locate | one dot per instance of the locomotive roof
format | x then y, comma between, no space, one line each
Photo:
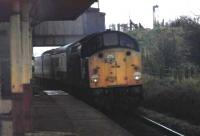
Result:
94,35
87,48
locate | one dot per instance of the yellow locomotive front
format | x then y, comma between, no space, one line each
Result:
115,67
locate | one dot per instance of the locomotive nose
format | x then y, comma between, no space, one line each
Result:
114,67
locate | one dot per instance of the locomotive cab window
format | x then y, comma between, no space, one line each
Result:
127,41
110,39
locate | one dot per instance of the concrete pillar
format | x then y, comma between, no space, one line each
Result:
16,53
6,128
20,46
21,69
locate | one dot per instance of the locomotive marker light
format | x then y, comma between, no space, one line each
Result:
137,76
110,58
95,78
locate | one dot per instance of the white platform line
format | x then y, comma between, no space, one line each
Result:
55,92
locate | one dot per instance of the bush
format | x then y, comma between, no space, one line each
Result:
177,99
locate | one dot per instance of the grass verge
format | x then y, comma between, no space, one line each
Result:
177,99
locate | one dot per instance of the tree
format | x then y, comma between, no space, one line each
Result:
163,48
191,29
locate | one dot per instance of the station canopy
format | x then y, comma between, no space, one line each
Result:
48,10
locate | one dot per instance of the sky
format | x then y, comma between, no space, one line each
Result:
37,51
119,11
140,11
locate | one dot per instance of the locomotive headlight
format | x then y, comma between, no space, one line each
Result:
94,78
137,76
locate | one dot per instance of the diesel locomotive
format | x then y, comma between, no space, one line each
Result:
101,64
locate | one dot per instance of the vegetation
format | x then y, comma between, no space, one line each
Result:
171,61
176,99
173,49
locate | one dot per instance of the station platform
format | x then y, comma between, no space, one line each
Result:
60,114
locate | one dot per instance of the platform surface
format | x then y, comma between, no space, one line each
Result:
60,114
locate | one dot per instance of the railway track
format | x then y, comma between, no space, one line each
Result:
140,125
150,125
165,130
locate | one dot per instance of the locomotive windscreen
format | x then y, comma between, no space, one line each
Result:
119,39
93,43
127,41
111,39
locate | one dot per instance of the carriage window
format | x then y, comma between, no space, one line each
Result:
110,39
56,62
74,49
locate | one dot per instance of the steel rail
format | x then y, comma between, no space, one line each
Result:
164,129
